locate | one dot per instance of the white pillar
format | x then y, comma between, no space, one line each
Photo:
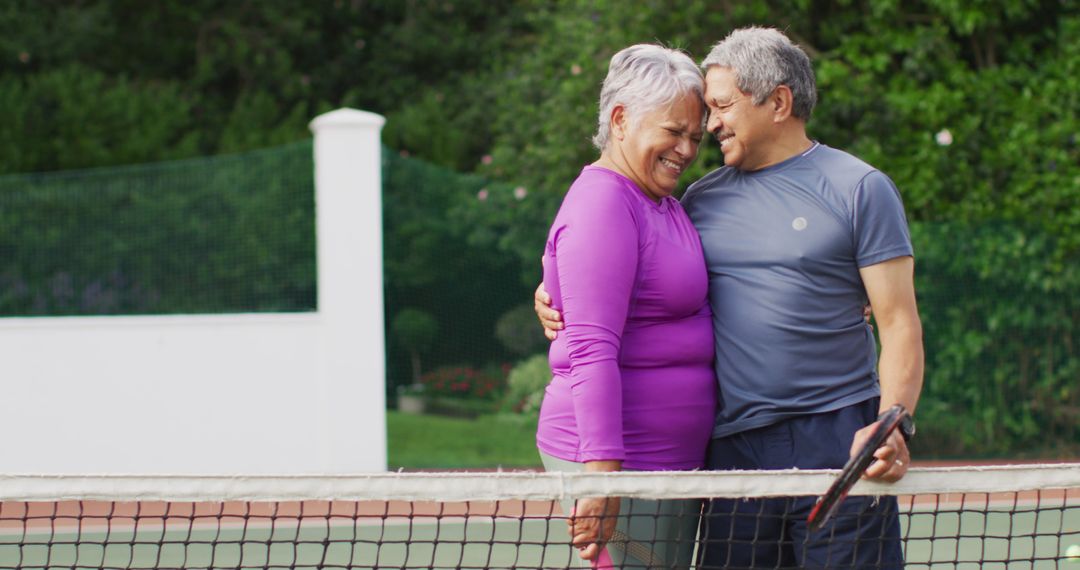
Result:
348,207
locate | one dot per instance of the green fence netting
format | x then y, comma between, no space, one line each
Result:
999,301
208,235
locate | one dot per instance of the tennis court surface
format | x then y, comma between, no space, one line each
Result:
970,517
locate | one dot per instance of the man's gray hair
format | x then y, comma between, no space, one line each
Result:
643,78
764,59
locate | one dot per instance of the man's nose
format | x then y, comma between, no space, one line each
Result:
714,124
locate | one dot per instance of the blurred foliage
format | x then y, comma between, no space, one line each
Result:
969,106
154,80
430,264
518,332
465,382
526,384
416,330
1002,334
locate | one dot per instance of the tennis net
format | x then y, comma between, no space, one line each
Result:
971,517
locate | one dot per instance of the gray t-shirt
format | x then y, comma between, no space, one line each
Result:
784,246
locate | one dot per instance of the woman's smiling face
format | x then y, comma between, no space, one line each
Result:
658,146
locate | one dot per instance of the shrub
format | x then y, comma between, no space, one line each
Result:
526,383
415,330
463,382
519,332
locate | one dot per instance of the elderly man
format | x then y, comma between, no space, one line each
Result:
798,237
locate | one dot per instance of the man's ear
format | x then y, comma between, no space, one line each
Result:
782,101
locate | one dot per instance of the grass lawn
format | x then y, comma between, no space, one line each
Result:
438,442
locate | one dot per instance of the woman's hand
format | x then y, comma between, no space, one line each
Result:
591,525
593,521
550,319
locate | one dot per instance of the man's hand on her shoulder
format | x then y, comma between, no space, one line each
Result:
550,319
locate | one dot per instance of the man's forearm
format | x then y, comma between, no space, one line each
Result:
900,367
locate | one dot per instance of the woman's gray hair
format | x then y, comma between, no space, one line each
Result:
763,59
643,78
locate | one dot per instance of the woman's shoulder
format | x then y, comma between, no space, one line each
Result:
600,188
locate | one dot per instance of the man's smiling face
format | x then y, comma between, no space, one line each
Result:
742,129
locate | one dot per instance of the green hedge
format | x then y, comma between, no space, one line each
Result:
1001,327
221,234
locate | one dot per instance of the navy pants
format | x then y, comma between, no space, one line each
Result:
772,533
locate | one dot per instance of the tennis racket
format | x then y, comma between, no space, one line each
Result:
828,503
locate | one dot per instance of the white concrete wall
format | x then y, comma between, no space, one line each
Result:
221,394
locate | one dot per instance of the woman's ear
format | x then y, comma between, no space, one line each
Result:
619,122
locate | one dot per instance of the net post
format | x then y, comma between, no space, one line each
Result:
348,214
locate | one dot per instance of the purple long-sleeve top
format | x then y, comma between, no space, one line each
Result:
632,370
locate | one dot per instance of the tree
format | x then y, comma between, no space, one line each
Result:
416,330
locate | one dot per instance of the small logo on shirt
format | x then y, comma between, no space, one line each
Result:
799,224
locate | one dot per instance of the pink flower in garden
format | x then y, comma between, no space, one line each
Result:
486,159
520,192
482,194
944,137
575,69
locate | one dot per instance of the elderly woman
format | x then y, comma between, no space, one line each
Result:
633,386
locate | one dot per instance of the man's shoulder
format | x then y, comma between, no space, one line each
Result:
842,168
716,178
